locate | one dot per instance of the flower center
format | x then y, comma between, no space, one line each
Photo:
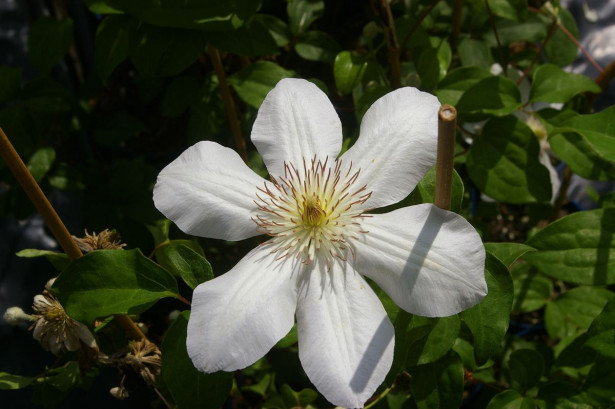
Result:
312,213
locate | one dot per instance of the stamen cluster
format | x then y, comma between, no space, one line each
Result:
313,211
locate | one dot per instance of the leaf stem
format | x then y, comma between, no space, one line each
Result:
229,104
379,397
50,216
606,76
447,118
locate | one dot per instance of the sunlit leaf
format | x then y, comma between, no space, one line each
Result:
577,248
106,282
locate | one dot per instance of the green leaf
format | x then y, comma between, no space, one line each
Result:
577,248
474,52
526,367
302,13
190,14
162,52
438,384
431,338
600,379
552,84
40,162
9,381
117,127
601,333
189,387
106,282
504,163
587,144
278,29
348,70
560,49
574,310
507,253
317,46
48,42
488,321
498,96
254,82
251,40
426,189
10,83
564,395
182,93
45,95
59,260
532,289
458,81
532,30
510,399
515,10
182,261
100,7
113,38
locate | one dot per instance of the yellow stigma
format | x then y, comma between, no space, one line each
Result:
312,214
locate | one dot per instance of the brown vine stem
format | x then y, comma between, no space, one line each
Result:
48,213
503,62
392,43
447,118
417,23
456,23
229,104
606,76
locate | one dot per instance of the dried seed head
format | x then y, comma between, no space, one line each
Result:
145,358
105,240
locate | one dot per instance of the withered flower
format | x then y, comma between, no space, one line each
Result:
55,330
105,240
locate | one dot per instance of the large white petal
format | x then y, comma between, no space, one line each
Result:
208,191
429,261
346,339
396,146
295,122
238,317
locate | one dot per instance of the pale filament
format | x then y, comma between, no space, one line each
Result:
314,212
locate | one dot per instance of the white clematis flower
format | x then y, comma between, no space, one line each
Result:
430,261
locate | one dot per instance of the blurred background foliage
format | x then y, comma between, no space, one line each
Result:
113,90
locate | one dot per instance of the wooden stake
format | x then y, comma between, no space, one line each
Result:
447,118
51,218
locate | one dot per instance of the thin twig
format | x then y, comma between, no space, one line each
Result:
51,218
571,37
447,118
229,104
417,23
392,42
503,62
550,33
